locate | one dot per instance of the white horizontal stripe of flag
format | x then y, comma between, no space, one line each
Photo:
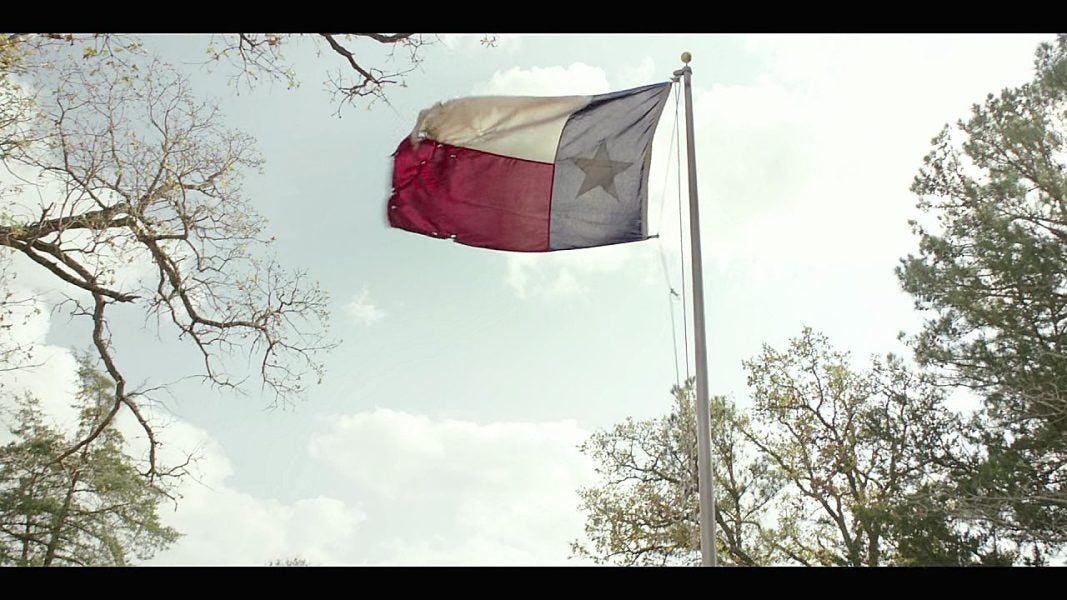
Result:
526,127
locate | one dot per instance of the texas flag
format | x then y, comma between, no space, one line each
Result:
527,173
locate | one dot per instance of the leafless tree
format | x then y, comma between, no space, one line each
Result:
139,203
253,56
364,71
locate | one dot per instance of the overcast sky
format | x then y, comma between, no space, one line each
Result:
446,429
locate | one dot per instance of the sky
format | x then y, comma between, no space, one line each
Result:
446,430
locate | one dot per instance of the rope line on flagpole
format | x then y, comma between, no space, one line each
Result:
662,255
674,326
667,171
681,234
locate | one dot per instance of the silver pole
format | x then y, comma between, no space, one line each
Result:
707,483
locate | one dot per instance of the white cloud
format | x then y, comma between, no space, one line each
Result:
222,525
408,489
637,74
362,308
575,79
458,492
51,371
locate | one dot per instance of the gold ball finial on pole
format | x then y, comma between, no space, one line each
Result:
686,57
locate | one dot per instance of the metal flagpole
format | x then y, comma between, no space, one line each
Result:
707,484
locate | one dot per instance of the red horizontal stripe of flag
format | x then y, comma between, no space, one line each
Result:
477,198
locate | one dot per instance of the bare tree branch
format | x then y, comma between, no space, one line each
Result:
136,172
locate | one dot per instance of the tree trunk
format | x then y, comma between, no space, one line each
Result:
61,518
